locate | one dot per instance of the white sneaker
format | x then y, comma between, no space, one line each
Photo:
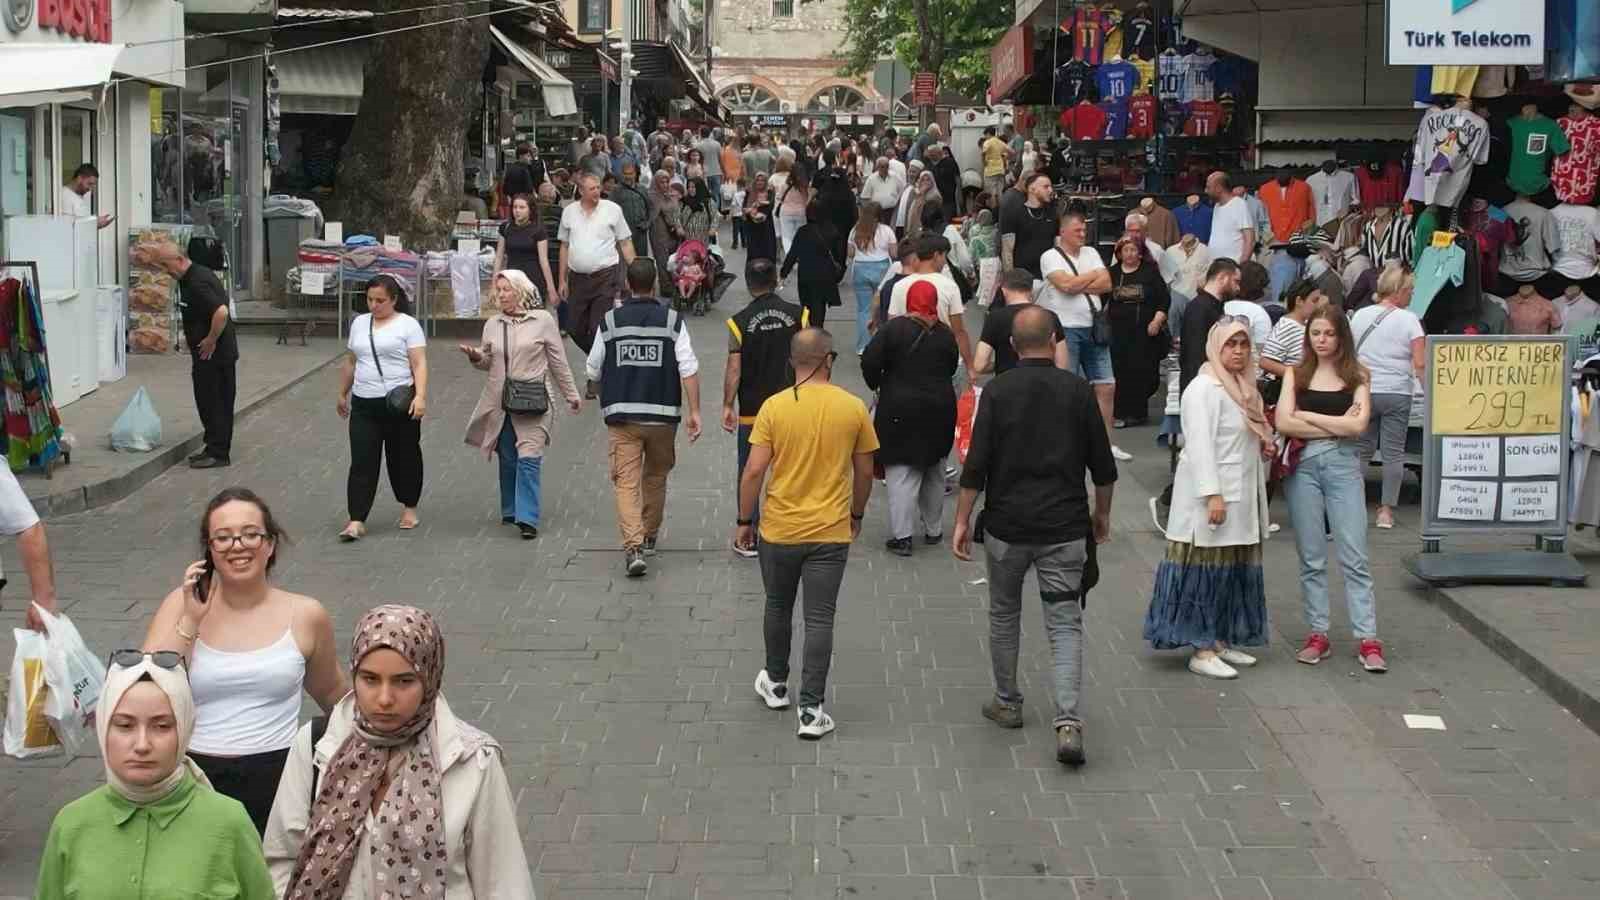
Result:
1211,667
1120,454
1237,658
1274,528
775,693
814,723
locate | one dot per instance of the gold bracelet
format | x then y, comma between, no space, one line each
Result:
178,627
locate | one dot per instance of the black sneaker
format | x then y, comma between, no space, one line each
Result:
898,546
1069,744
1006,715
933,540
634,560
507,520
528,531
210,462
649,546
197,455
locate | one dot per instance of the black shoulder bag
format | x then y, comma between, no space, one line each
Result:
520,398
398,399
1099,327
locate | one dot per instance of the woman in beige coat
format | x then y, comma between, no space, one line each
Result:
393,756
526,335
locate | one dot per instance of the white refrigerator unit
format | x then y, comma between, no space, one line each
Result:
67,253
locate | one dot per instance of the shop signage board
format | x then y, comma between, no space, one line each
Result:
1465,32
1495,455
1010,61
924,89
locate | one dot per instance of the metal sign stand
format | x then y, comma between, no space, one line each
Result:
1496,459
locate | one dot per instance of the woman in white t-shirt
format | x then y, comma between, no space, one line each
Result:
871,248
1389,342
387,353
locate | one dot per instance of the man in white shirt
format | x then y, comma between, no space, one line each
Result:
19,520
1233,227
75,200
1075,278
882,188
931,258
896,167
595,242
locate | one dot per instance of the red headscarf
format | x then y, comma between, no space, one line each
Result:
922,299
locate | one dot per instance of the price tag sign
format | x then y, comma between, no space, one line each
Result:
392,242
1443,238
333,232
312,284
469,245
1498,387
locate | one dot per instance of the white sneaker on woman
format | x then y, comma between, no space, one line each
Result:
1237,657
1119,454
1211,667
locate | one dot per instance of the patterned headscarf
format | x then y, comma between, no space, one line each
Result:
407,839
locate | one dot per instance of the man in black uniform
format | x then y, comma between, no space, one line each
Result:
213,347
758,358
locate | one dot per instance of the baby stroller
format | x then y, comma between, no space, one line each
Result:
694,273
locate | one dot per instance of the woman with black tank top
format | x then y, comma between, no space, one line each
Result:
1325,403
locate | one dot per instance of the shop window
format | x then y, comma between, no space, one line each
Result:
21,131
166,157
783,8
594,15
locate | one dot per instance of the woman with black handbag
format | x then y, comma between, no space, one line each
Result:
383,391
521,350
820,270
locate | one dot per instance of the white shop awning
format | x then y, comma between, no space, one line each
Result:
321,80
48,69
558,96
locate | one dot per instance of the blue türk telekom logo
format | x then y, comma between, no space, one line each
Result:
1458,5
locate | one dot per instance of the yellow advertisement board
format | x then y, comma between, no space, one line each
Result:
1498,387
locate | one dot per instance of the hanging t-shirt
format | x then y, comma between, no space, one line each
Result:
1205,119
1228,74
1526,256
1436,267
1111,26
1147,74
1532,142
1333,194
1141,116
1494,81
1169,80
1087,29
1380,188
1449,143
1575,173
1456,80
1116,127
1084,122
1139,34
1117,80
1580,231
1072,82
1197,80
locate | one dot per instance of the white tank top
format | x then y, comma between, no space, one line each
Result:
246,702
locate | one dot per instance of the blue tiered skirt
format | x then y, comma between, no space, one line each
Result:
1206,595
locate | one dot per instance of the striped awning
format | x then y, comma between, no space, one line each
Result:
321,80
558,95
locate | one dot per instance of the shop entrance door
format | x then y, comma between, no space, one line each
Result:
77,146
13,165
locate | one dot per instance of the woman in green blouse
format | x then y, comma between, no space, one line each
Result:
155,830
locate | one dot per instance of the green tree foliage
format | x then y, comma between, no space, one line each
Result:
950,37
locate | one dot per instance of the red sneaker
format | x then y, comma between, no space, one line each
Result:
1316,649
1371,655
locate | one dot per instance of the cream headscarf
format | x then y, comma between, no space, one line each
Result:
519,281
1241,387
175,684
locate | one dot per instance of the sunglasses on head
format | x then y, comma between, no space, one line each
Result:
163,659
1225,320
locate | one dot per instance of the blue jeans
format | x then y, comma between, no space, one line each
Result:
1090,360
1283,270
1330,483
865,279
519,479
714,182
744,457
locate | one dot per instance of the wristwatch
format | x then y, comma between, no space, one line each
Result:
858,518
743,522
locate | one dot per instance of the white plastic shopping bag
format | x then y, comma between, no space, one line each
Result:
138,428
28,732
75,677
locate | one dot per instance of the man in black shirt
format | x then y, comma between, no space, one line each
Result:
1038,431
525,175
946,175
1029,229
1222,285
994,351
213,347
758,358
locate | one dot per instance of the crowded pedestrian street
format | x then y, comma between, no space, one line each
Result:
642,765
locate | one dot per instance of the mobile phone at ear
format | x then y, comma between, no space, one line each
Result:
202,585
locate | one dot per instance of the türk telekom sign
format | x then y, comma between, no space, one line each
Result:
1465,32
1010,61
89,20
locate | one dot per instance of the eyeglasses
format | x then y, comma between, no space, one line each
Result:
250,540
164,659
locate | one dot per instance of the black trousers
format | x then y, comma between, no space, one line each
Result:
216,383
377,434
252,780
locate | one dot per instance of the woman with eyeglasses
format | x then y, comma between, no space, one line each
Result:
253,650
1209,595
398,797
386,371
155,830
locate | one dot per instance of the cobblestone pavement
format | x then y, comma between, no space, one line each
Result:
644,767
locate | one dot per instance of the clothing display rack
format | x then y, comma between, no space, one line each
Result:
32,424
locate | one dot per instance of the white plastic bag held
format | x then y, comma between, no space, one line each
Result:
28,732
138,428
75,677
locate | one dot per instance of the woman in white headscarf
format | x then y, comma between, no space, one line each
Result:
155,829
523,342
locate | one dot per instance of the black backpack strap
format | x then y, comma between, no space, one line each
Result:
319,727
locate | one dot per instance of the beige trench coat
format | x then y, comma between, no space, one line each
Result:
486,860
537,353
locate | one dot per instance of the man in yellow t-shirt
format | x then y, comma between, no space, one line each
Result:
818,441
995,153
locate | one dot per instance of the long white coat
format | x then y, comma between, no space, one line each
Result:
486,859
1220,456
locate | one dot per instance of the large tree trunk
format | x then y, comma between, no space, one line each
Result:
401,171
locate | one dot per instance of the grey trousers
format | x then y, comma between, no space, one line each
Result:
915,494
1386,431
1059,568
784,569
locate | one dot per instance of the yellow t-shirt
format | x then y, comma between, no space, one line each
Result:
994,157
1456,80
811,480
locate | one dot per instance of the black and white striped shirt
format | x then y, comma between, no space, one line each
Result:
1394,245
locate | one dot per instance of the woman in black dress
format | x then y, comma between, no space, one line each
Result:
525,245
759,225
820,269
1137,311
910,362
